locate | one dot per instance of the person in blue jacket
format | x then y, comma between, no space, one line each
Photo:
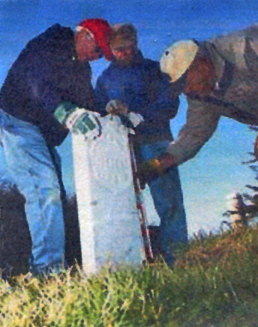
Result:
132,83
52,68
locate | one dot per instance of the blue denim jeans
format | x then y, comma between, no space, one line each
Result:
36,170
168,200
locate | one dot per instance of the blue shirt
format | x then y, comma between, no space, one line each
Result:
145,90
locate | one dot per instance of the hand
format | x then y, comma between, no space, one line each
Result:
149,171
131,121
154,168
78,120
135,118
116,107
85,122
64,110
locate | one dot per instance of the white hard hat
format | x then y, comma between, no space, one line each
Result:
178,57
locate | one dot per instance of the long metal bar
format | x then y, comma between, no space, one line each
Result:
139,203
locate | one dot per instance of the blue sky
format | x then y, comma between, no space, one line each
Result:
217,170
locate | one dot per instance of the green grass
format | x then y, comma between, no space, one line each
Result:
214,284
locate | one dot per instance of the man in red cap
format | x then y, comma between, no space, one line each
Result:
53,68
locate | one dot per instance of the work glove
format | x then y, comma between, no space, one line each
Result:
116,107
154,168
78,120
131,120
135,118
84,122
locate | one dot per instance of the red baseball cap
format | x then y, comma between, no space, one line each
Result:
102,32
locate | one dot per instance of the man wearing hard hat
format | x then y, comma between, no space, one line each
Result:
219,78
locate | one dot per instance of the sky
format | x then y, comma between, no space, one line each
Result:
217,170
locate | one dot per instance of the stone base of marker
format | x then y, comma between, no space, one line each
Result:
109,223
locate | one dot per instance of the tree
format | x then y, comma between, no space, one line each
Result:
15,240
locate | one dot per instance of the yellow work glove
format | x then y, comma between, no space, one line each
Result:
154,168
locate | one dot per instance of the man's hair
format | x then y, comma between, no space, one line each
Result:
126,32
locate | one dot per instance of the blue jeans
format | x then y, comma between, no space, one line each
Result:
36,170
168,200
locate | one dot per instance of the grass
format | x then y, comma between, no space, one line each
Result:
214,284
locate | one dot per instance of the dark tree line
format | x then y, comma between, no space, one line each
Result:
15,241
253,196
245,205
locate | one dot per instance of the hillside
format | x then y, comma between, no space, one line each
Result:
214,284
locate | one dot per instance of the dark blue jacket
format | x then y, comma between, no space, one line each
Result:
145,90
46,73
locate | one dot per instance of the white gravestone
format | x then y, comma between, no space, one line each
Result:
109,221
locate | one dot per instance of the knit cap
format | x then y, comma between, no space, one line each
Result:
101,32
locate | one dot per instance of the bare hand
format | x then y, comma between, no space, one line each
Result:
116,107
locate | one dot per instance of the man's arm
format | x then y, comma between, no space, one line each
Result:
72,85
202,121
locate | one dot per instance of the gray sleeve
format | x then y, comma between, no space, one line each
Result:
202,121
